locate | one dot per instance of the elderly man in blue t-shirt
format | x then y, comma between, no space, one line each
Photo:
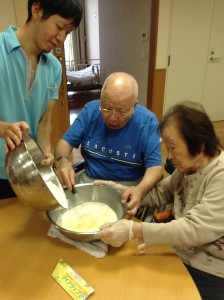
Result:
119,140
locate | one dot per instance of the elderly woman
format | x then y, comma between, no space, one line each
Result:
196,192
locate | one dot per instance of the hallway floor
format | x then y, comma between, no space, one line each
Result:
76,101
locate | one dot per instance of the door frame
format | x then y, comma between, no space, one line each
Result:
152,50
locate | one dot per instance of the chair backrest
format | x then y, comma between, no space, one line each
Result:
79,166
168,166
163,216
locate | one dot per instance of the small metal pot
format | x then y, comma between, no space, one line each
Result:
35,184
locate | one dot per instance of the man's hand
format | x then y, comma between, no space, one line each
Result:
65,173
13,134
132,196
49,159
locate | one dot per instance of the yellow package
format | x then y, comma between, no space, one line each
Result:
71,282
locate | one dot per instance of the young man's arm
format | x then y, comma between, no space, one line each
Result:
44,133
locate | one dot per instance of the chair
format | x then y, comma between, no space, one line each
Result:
79,166
165,215
168,166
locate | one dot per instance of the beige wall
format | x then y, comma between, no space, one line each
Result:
21,11
92,28
121,48
7,14
12,12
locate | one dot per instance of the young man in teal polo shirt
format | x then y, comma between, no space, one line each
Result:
31,76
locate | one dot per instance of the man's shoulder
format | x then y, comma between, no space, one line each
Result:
92,104
51,59
9,31
144,112
90,109
1,38
8,37
142,108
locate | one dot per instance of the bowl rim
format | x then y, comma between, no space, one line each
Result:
124,205
72,231
44,157
27,142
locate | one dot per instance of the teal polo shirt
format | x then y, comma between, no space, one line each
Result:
18,102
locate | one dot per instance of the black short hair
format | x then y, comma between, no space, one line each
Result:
67,9
195,127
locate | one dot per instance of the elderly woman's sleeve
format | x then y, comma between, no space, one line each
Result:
202,224
161,194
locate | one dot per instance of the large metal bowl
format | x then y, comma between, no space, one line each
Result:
86,193
35,184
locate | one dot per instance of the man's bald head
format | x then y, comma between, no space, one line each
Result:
120,86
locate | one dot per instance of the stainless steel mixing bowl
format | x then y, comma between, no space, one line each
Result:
86,193
34,184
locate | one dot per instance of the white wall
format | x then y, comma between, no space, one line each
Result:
121,48
92,29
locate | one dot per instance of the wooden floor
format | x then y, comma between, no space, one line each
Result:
77,100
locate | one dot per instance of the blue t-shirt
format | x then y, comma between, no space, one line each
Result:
18,102
116,155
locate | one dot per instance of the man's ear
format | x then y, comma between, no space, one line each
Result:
36,11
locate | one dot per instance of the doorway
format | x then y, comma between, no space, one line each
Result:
82,55
196,69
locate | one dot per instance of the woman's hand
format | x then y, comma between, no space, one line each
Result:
116,234
116,186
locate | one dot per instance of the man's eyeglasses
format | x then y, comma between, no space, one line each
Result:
120,114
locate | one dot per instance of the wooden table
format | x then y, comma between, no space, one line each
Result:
28,257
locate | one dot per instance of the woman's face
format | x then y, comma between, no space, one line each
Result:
178,153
